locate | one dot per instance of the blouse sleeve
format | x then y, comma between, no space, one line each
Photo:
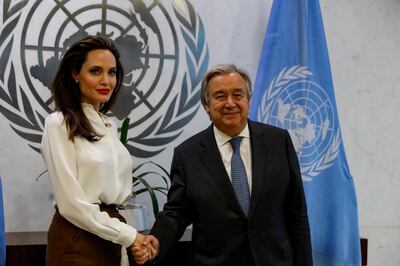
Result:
60,157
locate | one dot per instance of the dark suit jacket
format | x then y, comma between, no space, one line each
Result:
276,231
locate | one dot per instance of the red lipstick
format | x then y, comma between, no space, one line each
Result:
103,91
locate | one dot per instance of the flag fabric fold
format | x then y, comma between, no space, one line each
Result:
294,90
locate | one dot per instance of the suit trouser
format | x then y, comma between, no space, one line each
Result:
72,246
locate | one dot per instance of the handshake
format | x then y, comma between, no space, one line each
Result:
144,248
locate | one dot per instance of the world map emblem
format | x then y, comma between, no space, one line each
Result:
301,106
163,51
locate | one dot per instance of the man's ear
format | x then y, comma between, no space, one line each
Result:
207,109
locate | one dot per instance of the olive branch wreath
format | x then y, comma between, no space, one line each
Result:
19,111
277,84
161,132
183,107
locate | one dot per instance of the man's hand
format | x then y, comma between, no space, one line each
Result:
153,242
144,248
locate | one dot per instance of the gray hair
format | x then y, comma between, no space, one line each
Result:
222,69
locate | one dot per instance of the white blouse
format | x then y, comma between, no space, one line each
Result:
84,174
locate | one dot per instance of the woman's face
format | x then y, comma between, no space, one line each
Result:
97,77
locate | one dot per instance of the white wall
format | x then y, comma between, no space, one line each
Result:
364,38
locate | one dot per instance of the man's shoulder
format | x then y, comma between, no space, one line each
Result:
265,128
196,139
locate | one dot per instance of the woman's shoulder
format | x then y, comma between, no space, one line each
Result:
55,119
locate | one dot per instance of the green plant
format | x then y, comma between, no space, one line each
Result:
140,174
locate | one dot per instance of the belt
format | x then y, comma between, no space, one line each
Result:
103,207
110,207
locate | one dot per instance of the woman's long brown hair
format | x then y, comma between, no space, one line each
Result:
66,92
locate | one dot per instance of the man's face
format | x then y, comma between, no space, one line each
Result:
228,103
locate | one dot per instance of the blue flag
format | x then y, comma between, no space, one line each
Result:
2,231
294,90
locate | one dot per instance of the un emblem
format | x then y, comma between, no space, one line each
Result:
163,51
305,110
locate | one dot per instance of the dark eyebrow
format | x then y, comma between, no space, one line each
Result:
99,67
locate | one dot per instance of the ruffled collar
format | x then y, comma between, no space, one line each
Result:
98,120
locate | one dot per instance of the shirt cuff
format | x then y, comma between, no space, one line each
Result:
127,235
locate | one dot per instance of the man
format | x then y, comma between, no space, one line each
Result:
264,221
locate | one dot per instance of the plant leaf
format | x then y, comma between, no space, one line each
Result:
124,131
153,197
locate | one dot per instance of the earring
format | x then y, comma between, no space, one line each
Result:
76,81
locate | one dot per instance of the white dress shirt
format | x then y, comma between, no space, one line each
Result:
225,149
84,174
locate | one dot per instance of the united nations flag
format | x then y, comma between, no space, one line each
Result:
294,90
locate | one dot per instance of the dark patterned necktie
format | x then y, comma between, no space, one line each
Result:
239,177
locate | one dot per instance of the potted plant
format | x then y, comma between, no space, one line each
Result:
140,184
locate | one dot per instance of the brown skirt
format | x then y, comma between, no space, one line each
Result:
72,246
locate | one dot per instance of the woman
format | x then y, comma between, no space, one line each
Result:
89,168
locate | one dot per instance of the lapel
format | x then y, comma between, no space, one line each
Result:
259,155
211,158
